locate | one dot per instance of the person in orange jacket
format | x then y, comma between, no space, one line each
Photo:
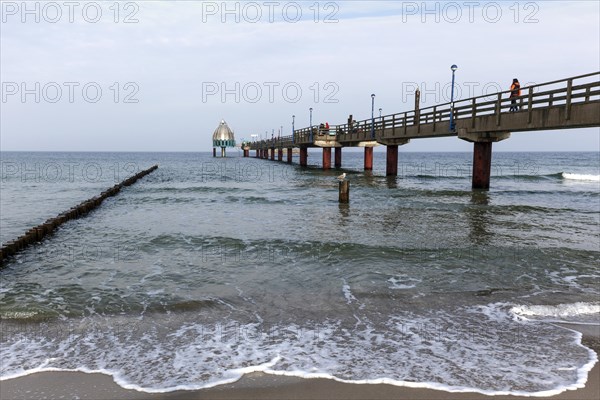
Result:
515,92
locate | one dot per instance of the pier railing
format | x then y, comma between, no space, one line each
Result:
564,93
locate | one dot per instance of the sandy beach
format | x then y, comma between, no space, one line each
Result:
55,385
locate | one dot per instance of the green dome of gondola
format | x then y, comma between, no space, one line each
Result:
223,136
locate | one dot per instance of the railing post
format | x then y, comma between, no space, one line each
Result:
568,105
498,109
530,104
434,115
405,123
587,94
394,125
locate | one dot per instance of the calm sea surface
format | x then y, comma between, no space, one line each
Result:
207,269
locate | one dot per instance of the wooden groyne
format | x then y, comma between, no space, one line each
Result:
37,233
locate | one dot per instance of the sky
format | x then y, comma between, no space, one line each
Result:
160,75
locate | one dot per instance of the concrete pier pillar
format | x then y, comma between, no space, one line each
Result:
303,156
368,158
482,164
482,154
273,153
246,153
289,155
338,157
222,151
279,154
257,151
326,158
214,151
391,163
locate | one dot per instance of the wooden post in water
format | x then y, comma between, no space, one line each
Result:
289,155
344,196
214,151
280,154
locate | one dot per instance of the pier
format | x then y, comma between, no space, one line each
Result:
483,120
38,233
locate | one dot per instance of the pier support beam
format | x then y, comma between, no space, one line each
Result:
482,155
246,153
391,161
256,155
214,151
338,157
326,158
272,153
289,155
222,152
303,156
280,154
482,165
368,158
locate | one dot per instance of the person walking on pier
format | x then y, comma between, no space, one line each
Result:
515,92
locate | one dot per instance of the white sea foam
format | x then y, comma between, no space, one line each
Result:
436,349
581,177
403,282
347,293
573,312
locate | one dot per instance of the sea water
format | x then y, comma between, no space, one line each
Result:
208,269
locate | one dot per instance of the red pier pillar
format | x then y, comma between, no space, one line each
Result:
289,155
273,153
326,158
303,156
391,163
246,153
338,157
368,158
257,151
279,154
482,165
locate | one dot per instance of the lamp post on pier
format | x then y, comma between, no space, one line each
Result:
373,115
311,125
379,113
293,128
453,68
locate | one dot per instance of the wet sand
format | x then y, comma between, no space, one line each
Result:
68,385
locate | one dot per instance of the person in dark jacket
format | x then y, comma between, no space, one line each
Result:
515,92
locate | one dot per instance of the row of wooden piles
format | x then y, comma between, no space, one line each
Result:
37,233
